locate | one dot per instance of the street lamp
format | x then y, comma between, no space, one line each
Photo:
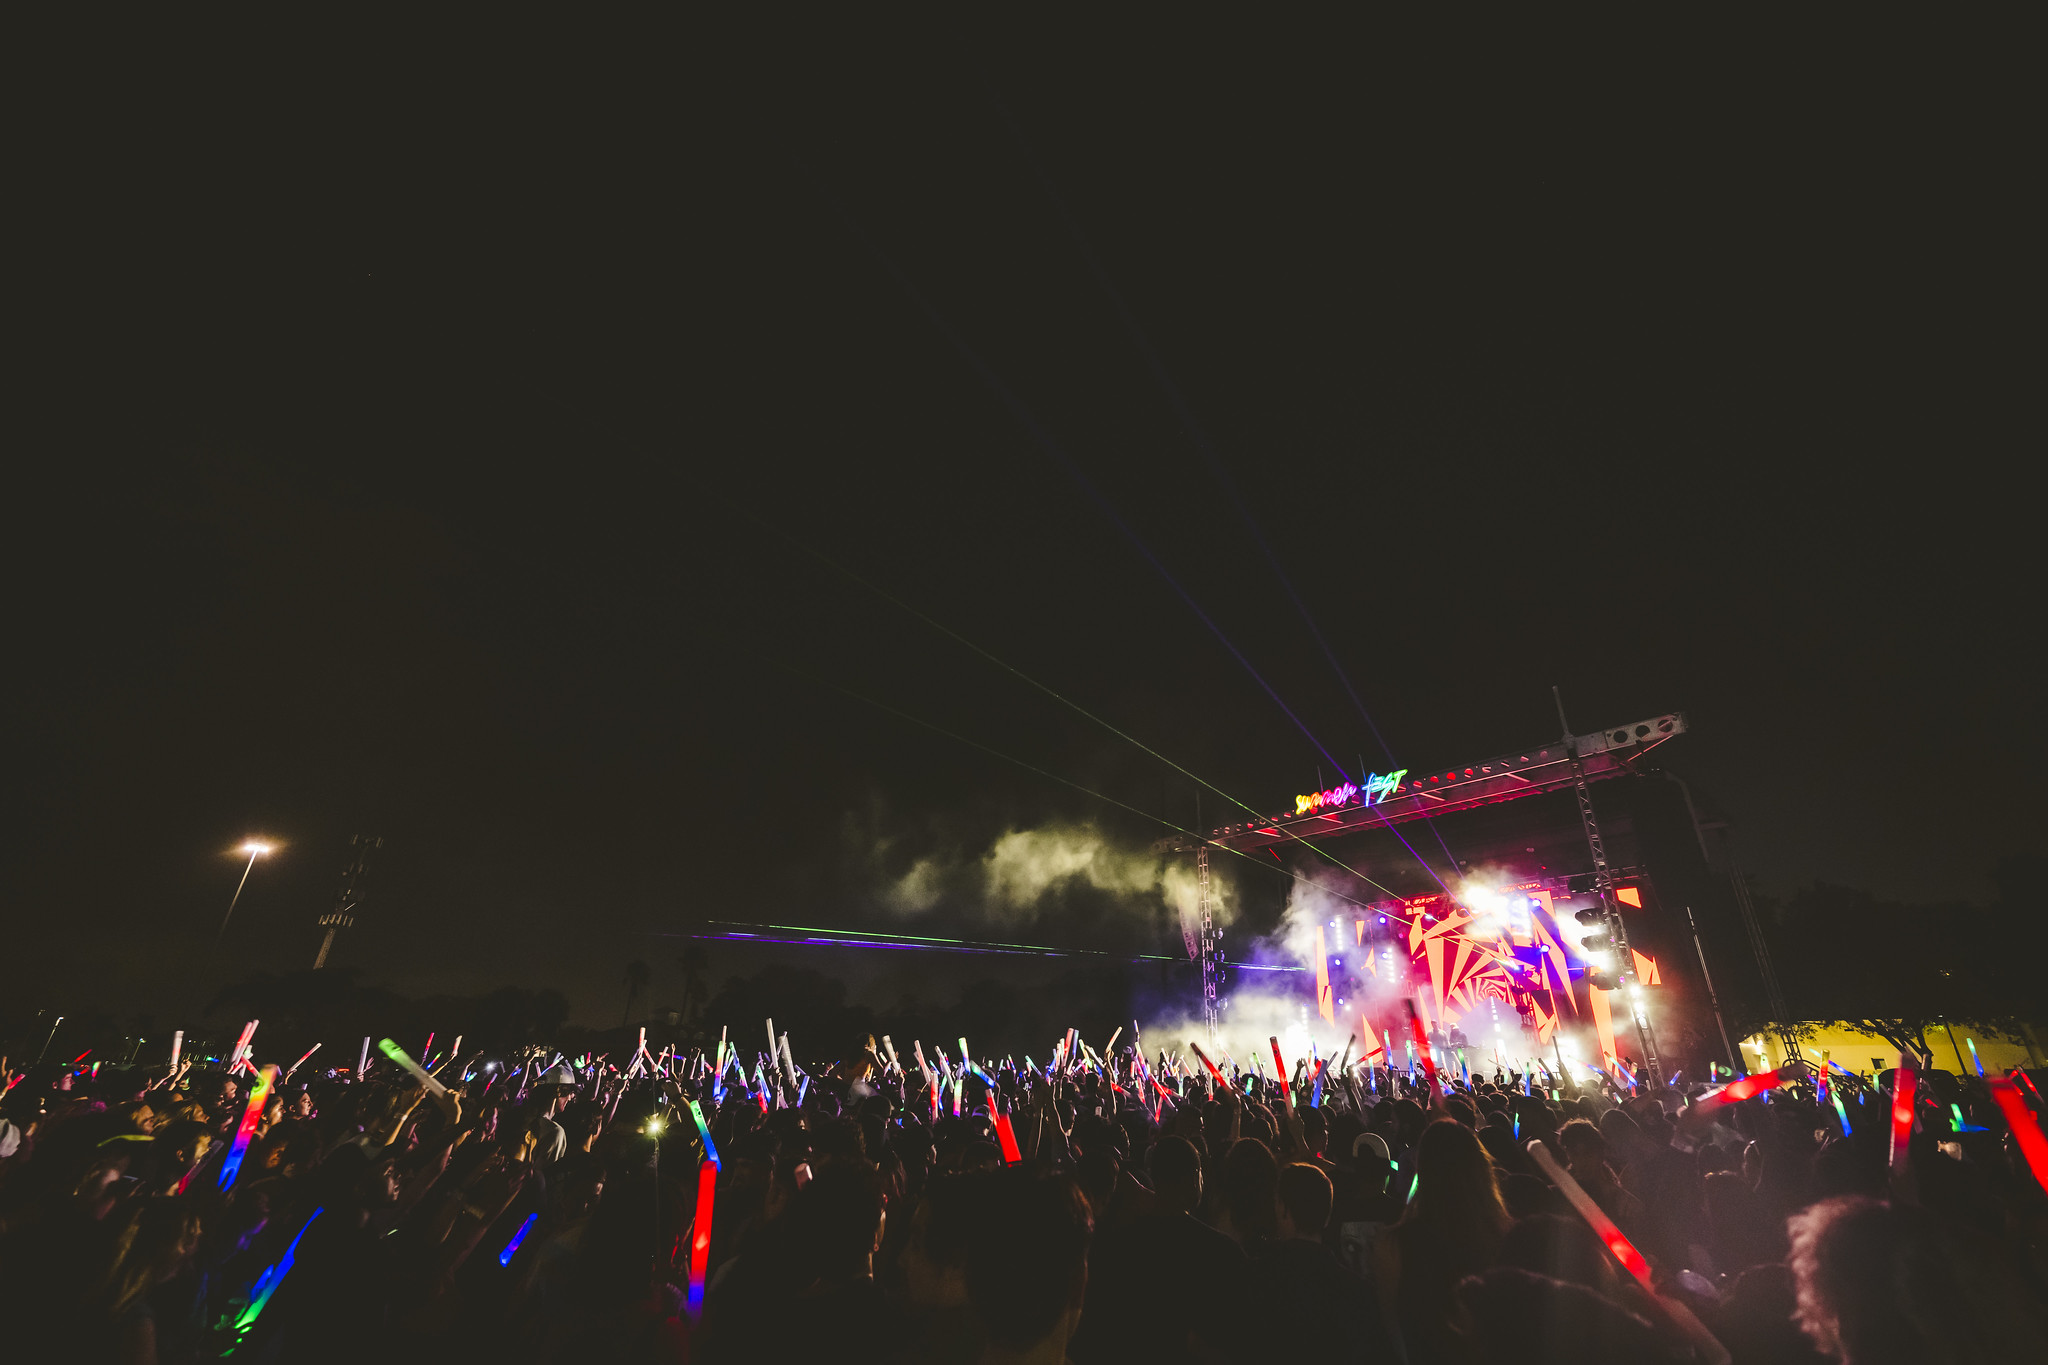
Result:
255,848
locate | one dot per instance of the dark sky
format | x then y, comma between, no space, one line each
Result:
432,445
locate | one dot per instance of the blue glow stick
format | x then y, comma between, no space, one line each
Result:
704,1134
267,1283
512,1247
1841,1113
1975,1058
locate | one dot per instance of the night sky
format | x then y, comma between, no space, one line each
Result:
458,447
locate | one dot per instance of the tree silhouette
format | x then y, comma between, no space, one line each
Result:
637,977
695,962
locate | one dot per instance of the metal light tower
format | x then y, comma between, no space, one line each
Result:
1210,970
1603,885
342,916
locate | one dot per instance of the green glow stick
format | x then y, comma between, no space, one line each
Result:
397,1054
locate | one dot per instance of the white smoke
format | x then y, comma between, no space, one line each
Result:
1022,871
1254,1017
1328,898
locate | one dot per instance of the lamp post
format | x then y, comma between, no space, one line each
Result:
255,849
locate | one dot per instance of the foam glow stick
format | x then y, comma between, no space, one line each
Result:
1971,1041
178,1045
1280,1070
1197,1048
1073,1037
2026,1129
269,1280
242,1043
1841,1113
700,1235
1737,1091
258,1093
397,1054
1904,1081
890,1048
1006,1135
1419,1037
2026,1081
771,1044
1603,1227
302,1061
704,1133
512,1247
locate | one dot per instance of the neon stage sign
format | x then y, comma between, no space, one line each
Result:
1378,787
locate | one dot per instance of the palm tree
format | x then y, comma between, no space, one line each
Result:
637,977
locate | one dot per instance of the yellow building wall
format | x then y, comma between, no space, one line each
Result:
1857,1051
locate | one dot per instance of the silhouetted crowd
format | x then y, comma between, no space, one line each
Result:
1103,1207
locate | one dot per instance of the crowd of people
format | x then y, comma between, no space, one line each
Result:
1103,1206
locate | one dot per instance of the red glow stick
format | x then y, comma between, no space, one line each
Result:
700,1234
81,1057
1707,1346
1904,1081
1280,1071
2026,1129
1006,1135
1421,1036
1603,1227
2025,1080
1197,1048
1739,1090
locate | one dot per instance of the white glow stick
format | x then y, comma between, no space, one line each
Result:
248,1032
177,1046
363,1061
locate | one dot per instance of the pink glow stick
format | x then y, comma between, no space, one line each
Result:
242,1043
302,1061
1212,1066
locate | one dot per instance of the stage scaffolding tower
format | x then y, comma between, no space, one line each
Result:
1603,886
1210,968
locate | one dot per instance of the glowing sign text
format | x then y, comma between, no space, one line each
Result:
1378,787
